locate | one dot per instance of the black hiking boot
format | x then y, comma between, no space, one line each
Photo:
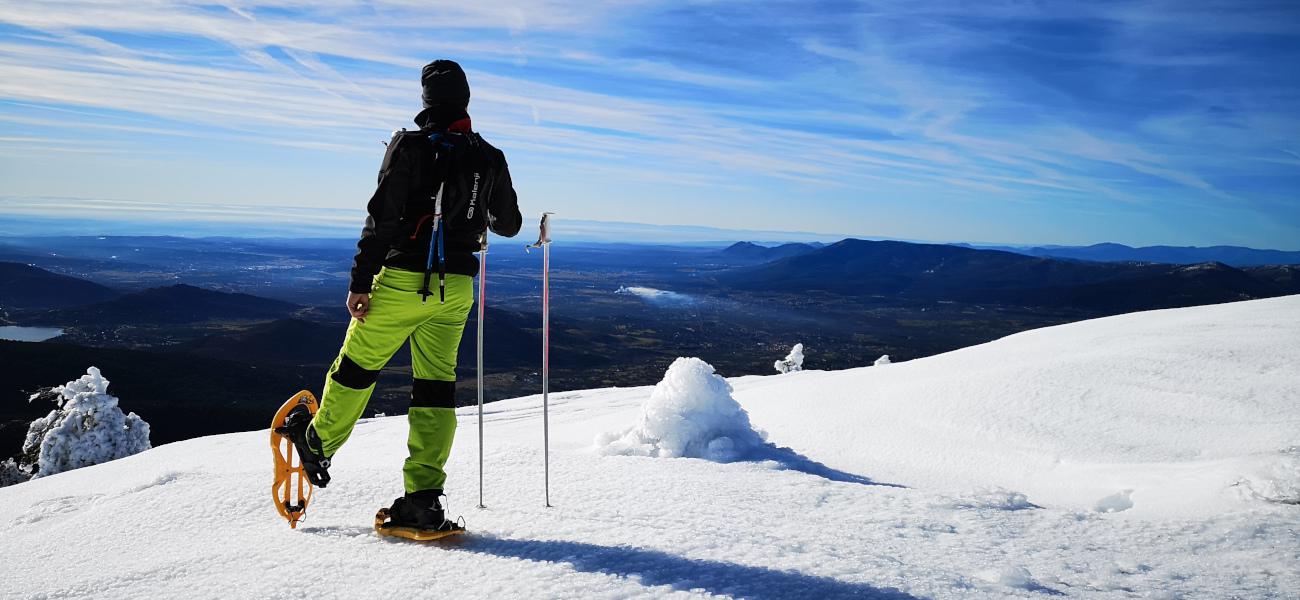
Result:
297,427
420,511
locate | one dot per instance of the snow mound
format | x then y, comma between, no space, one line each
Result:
883,360
1013,577
690,413
86,429
993,499
1277,480
1118,502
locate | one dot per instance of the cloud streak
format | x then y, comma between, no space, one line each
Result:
856,109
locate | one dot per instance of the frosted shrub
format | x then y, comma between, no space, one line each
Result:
86,428
689,414
792,361
11,473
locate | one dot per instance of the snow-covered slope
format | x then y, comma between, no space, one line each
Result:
1189,409
1133,456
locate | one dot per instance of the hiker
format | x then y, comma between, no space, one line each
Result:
440,189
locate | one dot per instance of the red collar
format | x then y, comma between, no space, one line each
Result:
461,126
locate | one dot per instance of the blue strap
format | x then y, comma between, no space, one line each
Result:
437,240
442,262
442,259
434,239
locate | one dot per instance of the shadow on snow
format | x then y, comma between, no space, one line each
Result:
788,459
654,568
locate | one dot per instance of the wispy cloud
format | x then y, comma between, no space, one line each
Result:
1149,111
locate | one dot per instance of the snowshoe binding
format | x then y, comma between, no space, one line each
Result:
297,466
417,516
297,427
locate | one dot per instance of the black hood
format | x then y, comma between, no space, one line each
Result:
444,84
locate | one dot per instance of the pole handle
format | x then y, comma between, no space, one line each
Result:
544,233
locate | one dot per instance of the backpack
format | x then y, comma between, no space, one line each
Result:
453,177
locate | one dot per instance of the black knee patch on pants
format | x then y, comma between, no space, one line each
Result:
350,374
431,393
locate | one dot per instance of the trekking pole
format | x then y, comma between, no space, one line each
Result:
482,288
544,242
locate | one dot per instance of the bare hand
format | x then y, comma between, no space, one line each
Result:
358,305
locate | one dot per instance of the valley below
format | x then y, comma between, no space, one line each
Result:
250,321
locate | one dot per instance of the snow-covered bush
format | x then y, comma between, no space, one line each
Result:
85,428
792,361
11,473
689,414
883,360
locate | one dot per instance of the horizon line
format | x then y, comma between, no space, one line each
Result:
20,216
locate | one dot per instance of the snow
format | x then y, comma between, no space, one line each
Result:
1117,502
1188,408
1276,480
689,414
792,362
974,474
1014,577
883,360
993,499
11,473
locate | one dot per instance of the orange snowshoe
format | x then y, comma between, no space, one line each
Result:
292,488
385,527
418,516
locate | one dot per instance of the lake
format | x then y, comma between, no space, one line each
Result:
28,334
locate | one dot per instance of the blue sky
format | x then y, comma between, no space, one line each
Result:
1140,123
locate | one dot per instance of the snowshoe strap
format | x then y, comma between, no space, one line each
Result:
317,447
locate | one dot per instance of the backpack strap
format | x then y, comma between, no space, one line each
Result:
437,239
484,172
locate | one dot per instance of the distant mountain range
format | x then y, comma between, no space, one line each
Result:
952,273
1235,256
27,287
749,251
169,305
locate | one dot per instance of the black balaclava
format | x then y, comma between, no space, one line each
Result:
444,83
445,94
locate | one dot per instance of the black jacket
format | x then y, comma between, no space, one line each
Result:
399,228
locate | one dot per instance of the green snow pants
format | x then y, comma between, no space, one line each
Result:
434,329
